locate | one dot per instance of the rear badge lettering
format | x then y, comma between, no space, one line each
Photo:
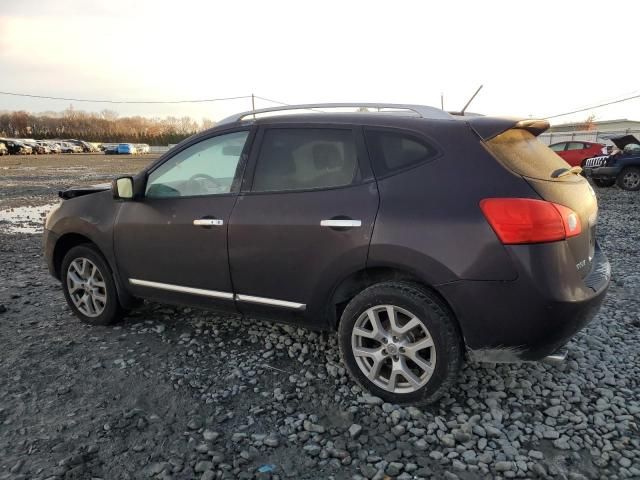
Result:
581,264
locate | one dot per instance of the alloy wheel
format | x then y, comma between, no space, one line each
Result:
631,180
86,287
393,348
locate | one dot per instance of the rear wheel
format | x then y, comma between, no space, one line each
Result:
89,287
400,343
629,179
602,183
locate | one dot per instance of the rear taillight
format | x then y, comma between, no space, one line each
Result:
526,220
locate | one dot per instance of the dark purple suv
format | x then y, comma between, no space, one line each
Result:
416,234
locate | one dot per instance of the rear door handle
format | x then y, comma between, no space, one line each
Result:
208,222
341,223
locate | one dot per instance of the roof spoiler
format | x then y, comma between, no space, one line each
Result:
489,127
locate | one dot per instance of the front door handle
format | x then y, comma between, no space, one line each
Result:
343,223
208,222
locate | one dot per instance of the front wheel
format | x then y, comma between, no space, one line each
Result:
400,342
89,287
602,183
629,179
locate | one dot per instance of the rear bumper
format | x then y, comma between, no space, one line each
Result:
534,316
602,173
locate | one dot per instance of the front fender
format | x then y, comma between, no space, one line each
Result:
90,216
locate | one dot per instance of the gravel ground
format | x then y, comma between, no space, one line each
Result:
181,393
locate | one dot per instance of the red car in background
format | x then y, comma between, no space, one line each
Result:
575,152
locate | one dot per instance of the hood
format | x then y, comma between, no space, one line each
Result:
74,192
625,140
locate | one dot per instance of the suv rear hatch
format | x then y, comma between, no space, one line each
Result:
518,149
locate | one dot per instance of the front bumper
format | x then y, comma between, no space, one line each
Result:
49,240
602,173
534,316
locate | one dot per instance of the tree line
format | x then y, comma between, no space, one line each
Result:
106,126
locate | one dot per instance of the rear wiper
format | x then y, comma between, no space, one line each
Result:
561,172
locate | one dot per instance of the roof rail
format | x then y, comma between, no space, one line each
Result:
421,111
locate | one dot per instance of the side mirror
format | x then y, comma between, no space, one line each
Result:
123,188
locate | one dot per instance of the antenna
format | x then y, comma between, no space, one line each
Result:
471,100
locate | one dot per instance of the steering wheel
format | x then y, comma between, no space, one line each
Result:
201,178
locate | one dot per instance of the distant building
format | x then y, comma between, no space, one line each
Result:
619,125
601,132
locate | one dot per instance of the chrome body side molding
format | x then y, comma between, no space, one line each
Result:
217,294
270,301
181,289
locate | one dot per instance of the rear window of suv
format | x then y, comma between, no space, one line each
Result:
522,153
395,151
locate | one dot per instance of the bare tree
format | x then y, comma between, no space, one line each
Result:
106,126
109,114
588,124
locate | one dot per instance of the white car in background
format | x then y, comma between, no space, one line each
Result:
54,147
66,147
142,148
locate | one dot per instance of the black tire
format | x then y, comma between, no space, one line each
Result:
603,183
629,179
432,313
112,310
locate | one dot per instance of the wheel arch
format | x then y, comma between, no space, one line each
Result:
72,239
357,281
65,243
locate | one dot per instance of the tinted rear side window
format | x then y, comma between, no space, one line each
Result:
305,158
522,153
391,151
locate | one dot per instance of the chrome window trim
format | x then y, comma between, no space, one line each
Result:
181,289
271,302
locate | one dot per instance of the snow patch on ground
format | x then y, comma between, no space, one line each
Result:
24,219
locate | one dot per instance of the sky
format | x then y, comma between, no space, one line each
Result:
535,59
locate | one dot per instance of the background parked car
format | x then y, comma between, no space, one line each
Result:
110,149
142,148
18,148
85,147
3,149
54,147
574,153
46,146
126,149
37,147
622,167
66,147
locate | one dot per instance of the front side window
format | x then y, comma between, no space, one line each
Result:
206,168
305,158
392,151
